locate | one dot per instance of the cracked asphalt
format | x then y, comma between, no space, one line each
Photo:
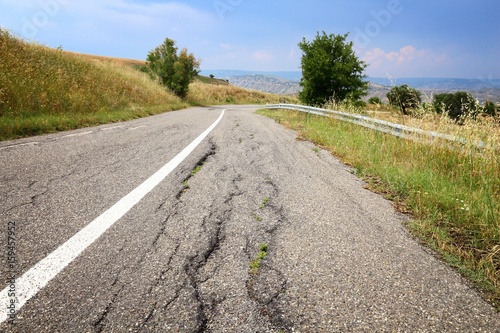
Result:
339,257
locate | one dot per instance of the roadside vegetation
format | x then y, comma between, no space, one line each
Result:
203,94
44,90
333,76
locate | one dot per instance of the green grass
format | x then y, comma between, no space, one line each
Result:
453,195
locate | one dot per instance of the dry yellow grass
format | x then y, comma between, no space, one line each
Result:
482,129
211,94
114,60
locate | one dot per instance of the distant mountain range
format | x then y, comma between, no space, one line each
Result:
287,83
226,74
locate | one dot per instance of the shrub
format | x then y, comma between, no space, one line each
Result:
457,105
405,98
374,100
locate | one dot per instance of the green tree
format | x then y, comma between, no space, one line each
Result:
331,70
456,105
375,100
405,98
174,70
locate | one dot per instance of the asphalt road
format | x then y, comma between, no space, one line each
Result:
339,258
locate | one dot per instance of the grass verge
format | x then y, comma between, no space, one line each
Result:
453,195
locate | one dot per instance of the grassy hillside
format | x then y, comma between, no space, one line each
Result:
45,90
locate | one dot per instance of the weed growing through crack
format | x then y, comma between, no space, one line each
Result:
196,169
256,263
264,203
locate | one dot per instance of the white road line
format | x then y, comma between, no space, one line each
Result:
78,134
134,128
29,144
112,128
31,282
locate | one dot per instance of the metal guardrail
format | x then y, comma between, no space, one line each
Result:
398,130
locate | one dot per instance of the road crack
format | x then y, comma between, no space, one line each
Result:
100,322
214,227
268,285
212,150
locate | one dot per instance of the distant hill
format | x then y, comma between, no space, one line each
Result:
283,83
288,83
293,76
271,84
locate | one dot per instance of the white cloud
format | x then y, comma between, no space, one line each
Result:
262,56
407,61
135,16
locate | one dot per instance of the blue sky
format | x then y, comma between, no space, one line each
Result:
400,38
